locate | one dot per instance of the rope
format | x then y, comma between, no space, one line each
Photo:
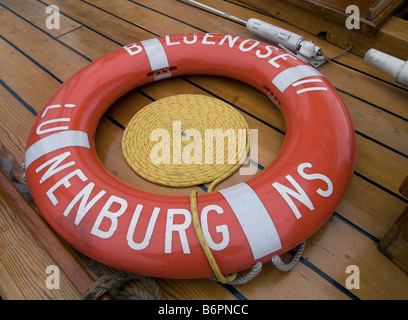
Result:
256,269
197,227
110,285
276,261
6,166
285,267
188,116
157,142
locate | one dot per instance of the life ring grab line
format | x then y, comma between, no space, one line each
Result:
303,77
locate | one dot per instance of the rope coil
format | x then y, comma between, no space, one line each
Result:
186,116
157,142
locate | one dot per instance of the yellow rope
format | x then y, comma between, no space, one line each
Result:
175,115
197,227
173,142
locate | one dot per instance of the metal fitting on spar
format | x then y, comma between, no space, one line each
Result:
303,49
290,41
395,67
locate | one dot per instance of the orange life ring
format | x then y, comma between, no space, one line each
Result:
152,234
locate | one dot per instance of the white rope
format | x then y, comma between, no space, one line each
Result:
285,267
256,269
276,261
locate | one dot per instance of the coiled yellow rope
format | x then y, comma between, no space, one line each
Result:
173,142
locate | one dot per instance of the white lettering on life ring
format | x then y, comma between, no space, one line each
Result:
133,49
223,229
179,228
245,46
112,216
83,202
149,231
300,195
247,206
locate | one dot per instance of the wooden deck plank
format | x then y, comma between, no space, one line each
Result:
23,261
14,132
377,124
101,21
89,43
369,207
386,96
52,54
35,93
302,283
35,13
373,13
333,253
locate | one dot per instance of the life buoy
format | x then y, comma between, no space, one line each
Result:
152,234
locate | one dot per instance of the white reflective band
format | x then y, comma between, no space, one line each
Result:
312,89
56,141
306,81
284,79
162,76
156,55
255,221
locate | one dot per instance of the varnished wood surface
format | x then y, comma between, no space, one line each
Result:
373,13
35,61
24,263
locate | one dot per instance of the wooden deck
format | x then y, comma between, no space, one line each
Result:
35,61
